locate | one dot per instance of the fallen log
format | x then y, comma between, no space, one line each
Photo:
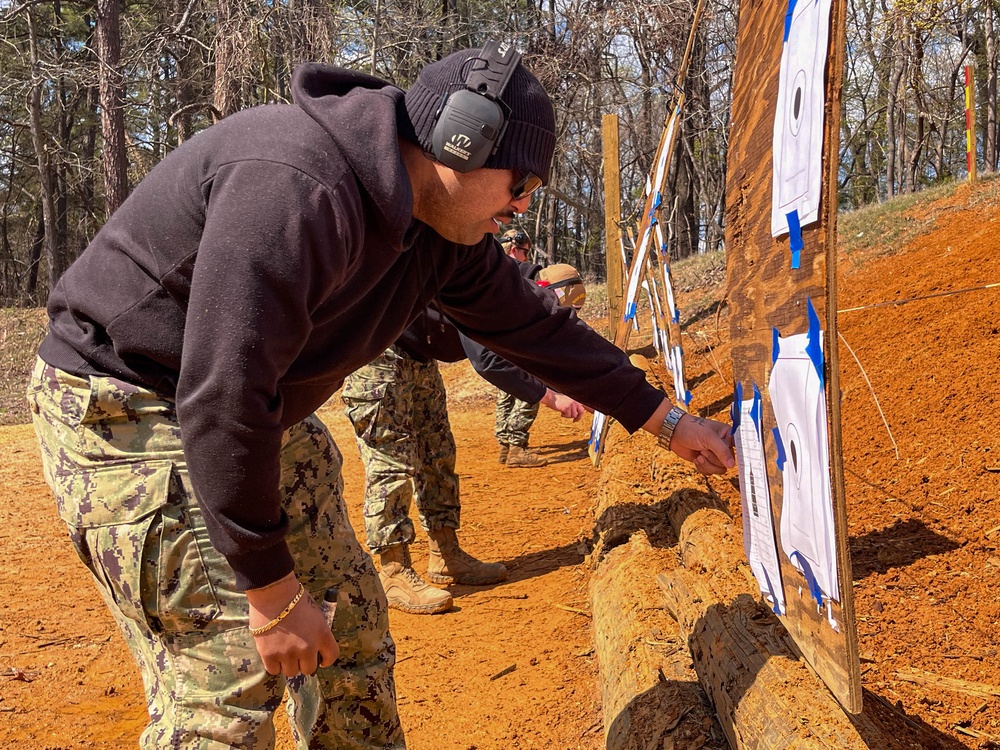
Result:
650,693
765,695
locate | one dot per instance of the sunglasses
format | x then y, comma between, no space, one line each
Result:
525,186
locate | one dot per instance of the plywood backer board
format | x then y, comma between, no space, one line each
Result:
765,292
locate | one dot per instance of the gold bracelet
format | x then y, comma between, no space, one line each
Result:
281,615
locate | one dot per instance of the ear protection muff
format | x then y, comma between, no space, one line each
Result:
470,122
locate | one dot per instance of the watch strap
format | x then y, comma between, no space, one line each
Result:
669,425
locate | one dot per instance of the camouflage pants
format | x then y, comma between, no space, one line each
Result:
399,411
513,420
112,455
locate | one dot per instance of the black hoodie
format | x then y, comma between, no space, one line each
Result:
269,257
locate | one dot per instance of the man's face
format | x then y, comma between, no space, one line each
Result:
465,207
519,252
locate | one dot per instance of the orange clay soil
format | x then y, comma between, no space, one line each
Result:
924,530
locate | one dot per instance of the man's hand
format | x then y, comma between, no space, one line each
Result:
706,443
301,641
567,407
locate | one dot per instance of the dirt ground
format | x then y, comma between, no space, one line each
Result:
924,521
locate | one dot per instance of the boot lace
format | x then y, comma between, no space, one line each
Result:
412,577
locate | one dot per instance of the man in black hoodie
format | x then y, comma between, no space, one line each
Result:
253,269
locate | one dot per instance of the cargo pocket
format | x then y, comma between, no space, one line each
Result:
365,392
178,565
114,514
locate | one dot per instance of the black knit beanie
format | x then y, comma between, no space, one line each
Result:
530,138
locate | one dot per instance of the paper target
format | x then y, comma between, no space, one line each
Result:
798,121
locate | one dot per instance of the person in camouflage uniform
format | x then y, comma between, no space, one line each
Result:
513,420
514,417
173,594
398,407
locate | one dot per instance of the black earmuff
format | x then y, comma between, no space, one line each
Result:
470,122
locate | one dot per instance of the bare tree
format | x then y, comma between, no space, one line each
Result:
111,87
47,220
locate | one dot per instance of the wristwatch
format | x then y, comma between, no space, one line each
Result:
669,425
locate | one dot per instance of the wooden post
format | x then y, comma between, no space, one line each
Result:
970,121
612,221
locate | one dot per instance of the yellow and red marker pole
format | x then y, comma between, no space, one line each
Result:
970,122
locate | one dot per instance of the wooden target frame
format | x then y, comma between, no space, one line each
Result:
765,292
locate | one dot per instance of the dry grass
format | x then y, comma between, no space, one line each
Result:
883,228
21,331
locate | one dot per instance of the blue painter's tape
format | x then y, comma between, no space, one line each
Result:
781,448
687,398
658,201
788,20
776,608
794,237
814,341
677,315
630,311
735,409
755,412
775,346
807,572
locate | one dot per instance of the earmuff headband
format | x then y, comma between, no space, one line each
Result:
491,71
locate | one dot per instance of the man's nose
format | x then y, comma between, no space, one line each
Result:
521,205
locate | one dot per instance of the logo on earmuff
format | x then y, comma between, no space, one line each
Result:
458,145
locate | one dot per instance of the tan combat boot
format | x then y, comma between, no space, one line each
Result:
504,450
449,563
523,458
405,590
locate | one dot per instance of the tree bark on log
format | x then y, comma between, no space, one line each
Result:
764,695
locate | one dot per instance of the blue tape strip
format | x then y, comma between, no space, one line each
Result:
807,572
788,20
755,412
735,409
677,315
781,448
776,608
814,341
658,200
630,311
687,398
595,437
794,237
775,346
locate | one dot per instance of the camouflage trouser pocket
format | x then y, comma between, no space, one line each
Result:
112,456
365,392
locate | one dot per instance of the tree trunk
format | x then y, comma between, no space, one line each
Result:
892,107
649,692
229,62
38,140
990,149
31,283
920,125
111,87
